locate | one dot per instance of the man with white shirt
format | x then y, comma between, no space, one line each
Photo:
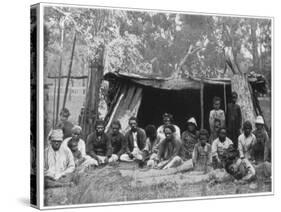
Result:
219,146
58,162
135,142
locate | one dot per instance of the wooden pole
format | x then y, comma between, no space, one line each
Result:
60,71
224,96
54,103
69,71
202,103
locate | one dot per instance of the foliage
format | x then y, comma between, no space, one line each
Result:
157,44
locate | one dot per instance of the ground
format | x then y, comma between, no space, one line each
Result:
125,182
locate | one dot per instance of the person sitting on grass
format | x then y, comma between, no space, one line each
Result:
64,123
215,134
151,148
99,145
78,149
167,120
219,146
189,138
117,139
169,150
259,149
216,113
58,162
135,142
202,153
246,141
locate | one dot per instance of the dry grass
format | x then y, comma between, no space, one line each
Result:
108,185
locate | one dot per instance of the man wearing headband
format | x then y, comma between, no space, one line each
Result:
58,161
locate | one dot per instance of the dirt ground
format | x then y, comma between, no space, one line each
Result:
110,184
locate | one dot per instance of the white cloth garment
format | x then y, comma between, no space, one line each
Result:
58,163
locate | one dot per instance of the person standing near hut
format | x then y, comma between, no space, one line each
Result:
135,142
202,153
65,124
216,113
246,141
99,145
167,120
169,154
233,120
262,140
189,138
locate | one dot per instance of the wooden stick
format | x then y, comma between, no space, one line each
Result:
224,95
54,103
202,102
60,71
69,71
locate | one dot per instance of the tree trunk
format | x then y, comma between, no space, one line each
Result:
240,84
92,98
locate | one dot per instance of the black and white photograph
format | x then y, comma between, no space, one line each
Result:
146,105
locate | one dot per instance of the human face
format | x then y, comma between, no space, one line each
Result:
133,124
168,133
76,135
217,126
100,129
115,129
203,139
247,131
63,117
190,127
222,135
234,98
166,121
217,105
56,144
74,146
259,126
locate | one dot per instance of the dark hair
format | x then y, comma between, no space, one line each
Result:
150,131
171,127
204,132
133,118
116,122
247,124
216,98
65,112
167,115
99,122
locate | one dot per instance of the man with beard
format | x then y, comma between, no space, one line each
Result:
167,120
135,142
99,145
117,139
169,150
58,162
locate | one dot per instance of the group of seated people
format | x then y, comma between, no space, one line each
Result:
160,148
